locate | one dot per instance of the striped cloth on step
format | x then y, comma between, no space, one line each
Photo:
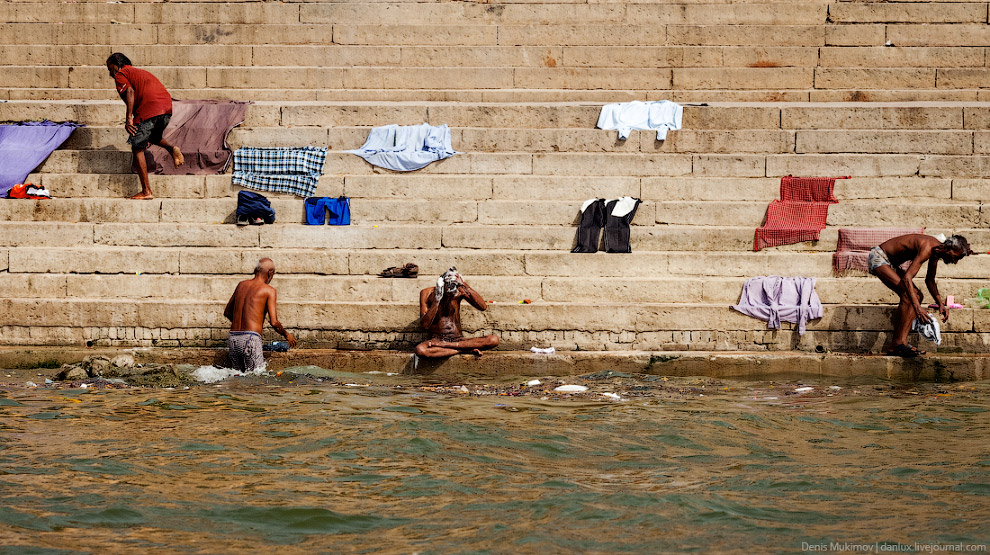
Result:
855,243
800,214
293,170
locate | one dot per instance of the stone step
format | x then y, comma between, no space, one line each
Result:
857,213
789,365
402,316
393,13
218,55
630,164
458,78
507,187
436,241
566,326
474,139
645,237
570,140
307,78
845,214
500,289
517,95
347,259
451,33
104,116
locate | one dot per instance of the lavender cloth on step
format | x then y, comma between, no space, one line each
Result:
25,145
775,298
200,129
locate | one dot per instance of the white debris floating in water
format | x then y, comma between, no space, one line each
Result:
612,396
210,374
531,383
803,389
539,351
571,389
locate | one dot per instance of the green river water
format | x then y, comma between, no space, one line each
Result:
400,467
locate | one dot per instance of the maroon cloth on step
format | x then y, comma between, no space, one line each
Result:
800,214
854,245
199,128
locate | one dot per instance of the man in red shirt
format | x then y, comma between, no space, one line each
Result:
149,108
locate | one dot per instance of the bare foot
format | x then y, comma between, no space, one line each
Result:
177,156
476,352
142,196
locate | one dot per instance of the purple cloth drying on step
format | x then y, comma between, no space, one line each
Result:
775,298
25,145
200,129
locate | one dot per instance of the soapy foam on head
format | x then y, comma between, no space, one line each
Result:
211,374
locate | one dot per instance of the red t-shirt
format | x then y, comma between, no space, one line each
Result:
151,97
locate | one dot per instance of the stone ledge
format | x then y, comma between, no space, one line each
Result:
741,365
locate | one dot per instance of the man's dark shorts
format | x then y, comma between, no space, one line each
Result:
149,131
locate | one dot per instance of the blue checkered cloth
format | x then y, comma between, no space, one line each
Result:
280,170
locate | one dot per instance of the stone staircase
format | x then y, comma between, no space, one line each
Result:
521,86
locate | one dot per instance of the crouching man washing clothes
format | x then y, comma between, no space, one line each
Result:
440,314
246,310
884,262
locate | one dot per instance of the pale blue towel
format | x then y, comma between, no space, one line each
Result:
406,147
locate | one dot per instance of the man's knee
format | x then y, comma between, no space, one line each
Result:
422,350
491,341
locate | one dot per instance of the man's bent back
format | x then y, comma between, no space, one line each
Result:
246,309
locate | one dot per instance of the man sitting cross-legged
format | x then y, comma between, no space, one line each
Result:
884,261
440,314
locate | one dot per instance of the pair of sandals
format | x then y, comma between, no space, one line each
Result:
410,270
244,220
906,351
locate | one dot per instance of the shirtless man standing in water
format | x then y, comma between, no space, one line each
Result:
884,262
440,314
246,310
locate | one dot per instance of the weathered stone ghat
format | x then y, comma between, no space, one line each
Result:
893,94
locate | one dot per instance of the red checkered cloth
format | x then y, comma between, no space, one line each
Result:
800,214
808,189
855,243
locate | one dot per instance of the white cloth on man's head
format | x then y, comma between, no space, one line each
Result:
929,331
661,115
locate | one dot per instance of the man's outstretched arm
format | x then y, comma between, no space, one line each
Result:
933,288
273,318
907,285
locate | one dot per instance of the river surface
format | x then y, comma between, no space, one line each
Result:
395,465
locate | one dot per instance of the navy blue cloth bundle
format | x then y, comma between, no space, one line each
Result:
252,205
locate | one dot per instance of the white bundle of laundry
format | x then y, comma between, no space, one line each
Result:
662,115
406,147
